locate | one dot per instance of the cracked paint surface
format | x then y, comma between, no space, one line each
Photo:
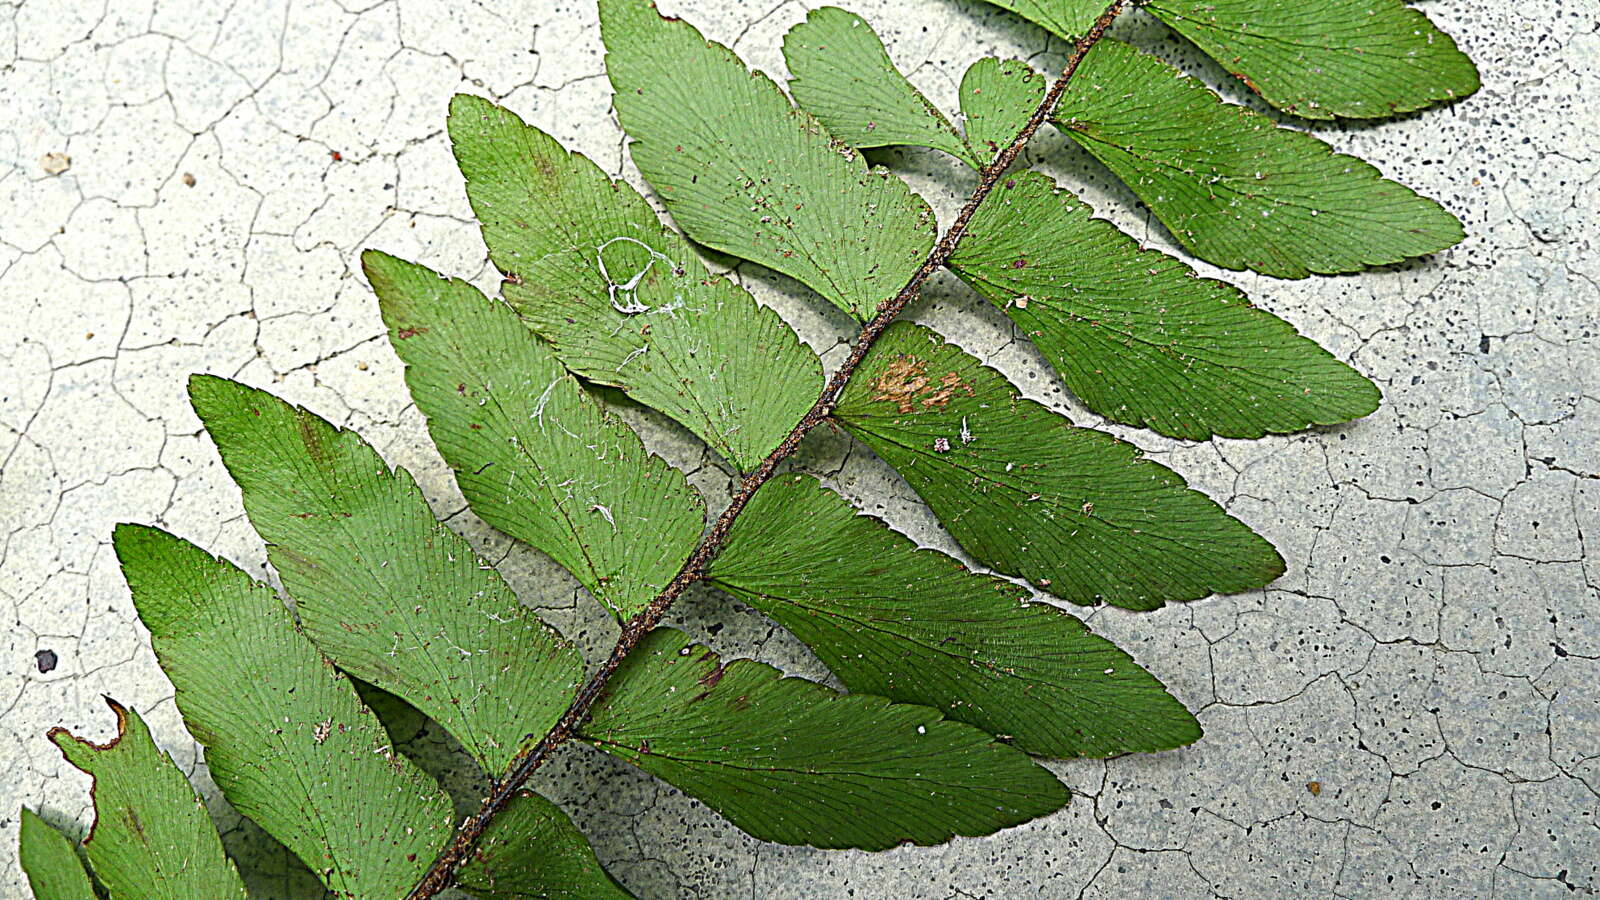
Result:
1412,710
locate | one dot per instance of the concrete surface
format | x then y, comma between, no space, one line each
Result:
1413,710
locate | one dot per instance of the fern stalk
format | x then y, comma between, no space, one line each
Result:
442,872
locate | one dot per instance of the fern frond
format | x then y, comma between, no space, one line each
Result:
953,677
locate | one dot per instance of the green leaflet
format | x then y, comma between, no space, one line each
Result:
53,868
744,172
842,75
1355,58
791,761
1073,510
385,591
997,98
1136,335
622,300
535,455
532,850
1234,188
1066,19
917,627
1314,58
285,736
152,836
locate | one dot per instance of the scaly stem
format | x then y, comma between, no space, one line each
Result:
502,791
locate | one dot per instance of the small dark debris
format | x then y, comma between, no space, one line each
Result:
1483,344
46,660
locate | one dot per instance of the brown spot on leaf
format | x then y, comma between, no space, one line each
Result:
950,383
905,383
315,441
712,677
901,382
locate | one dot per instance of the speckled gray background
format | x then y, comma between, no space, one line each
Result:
1430,659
